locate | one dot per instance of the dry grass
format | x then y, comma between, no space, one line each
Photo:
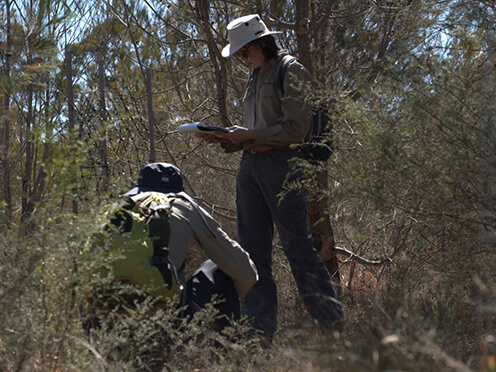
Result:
400,320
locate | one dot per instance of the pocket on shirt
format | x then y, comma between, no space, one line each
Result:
268,90
269,104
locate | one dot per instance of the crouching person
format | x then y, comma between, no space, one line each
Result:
147,239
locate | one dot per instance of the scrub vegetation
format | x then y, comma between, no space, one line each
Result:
406,203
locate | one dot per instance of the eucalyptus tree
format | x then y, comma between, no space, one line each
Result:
352,47
410,80
119,39
454,189
343,43
368,58
31,107
6,54
373,62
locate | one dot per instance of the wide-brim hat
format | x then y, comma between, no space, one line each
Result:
160,177
243,30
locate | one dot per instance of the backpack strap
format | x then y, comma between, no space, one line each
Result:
159,232
281,73
159,228
157,218
158,221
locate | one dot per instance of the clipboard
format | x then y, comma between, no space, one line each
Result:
199,127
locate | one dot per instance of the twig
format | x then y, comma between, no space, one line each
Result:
101,360
364,261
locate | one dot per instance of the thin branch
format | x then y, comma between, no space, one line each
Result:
364,261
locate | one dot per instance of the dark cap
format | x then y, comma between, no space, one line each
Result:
161,177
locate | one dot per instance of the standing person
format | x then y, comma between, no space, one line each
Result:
270,126
229,273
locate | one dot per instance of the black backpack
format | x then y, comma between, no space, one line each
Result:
320,146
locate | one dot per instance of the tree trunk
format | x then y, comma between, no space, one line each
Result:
218,62
302,36
39,184
26,205
319,222
103,119
72,135
4,109
151,128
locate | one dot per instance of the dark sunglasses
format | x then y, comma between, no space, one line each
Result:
243,53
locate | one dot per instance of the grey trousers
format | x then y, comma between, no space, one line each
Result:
259,181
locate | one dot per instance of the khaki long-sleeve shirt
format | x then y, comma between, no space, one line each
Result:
276,122
191,225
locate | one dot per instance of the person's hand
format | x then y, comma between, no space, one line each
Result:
235,135
239,134
212,138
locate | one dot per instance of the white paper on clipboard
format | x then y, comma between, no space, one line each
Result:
200,127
